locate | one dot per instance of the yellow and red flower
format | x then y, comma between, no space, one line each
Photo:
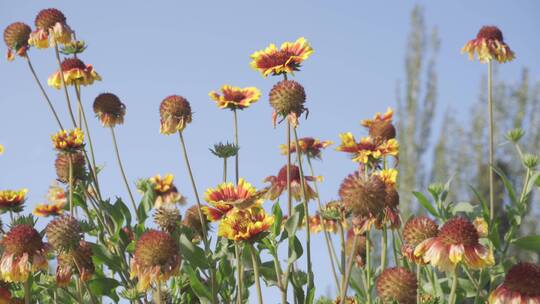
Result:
51,29
308,146
12,200
368,149
175,114
166,191
68,141
457,241
109,109
244,224
226,196
46,210
381,127
388,176
317,225
235,98
521,286
16,37
489,45
416,230
75,72
287,59
278,184
24,254
56,194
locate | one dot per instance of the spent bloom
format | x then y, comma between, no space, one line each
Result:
12,200
244,224
287,59
78,164
16,38
175,114
521,286
359,250
226,196
416,230
167,218
367,149
109,109
68,141
309,146
397,284
457,241
489,45
166,191
64,233
192,221
51,29
287,98
278,184
381,127
77,261
234,97
75,73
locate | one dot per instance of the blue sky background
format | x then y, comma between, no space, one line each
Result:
147,50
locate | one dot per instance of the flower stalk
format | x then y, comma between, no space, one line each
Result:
256,274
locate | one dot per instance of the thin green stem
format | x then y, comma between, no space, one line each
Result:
395,249
27,291
289,193
255,262
368,266
453,296
68,101
240,285
491,142
237,171
70,181
86,128
384,245
343,252
419,281
158,293
224,169
348,271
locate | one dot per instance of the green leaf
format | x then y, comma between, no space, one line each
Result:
102,255
464,207
425,203
201,290
268,272
530,242
124,210
194,254
292,223
278,217
483,203
104,287
296,251
507,184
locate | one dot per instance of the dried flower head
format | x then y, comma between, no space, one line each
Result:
68,141
51,29
167,218
109,109
278,184
175,114
521,286
244,224
368,149
75,73
77,261
64,233
166,191
489,45
155,260
226,196
287,59
308,146
225,150
192,221
397,284
364,196
78,165
287,98
12,200
234,98
416,230
16,38
359,250
381,127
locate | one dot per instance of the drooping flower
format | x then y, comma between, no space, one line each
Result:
175,114
12,200
167,218
397,284
192,221
308,146
24,254
78,167
416,230
278,184
381,127
521,286
226,196
109,109
45,210
64,233
16,38
287,59
244,224
359,250
68,141
367,149
166,191
51,28
75,72
489,45
335,210
287,98
457,241
77,261
155,260
73,47
235,97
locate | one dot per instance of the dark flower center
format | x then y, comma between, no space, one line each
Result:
524,278
459,231
490,33
72,63
295,174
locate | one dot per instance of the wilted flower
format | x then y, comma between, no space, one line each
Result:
364,196
192,221
488,45
308,146
456,242
521,286
416,230
78,261
359,250
244,224
51,28
166,192
24,254
68,141
167,218
46,210
226,196
78,165
175,114
287,98
368,149
278,184
397,284
155,260
109,109
12,200
16,37
235,98
225,150
64,233
287,59
74,47
75,72
381,127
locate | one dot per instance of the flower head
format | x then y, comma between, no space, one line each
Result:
74,47
388,176
226,196
109,109
367,149
318,223
68,141
155,260
192,221
456,242
175,114
397,284
75,72
78,165
1,149
278,184
12,200
64,233
51,29
78,261
235,98
381,127
244,224
489,45
16,38
521,286
287,59
45,210
287,98
24,253
226,150
364,196
166,191
416,230
167,218
308,146
359,250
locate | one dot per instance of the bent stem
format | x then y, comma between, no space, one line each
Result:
491,144
124,173
348,271
256,273
236,143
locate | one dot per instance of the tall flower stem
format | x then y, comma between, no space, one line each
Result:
289,194
256,273
452,297
419,281
70,109
43,91
343,255
115,143
158,293
27,291
86,128
368,266
70,181
491,140
224,169
384,246
237,171
205,238
239,274
345,283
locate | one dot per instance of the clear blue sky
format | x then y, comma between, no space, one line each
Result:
147,50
